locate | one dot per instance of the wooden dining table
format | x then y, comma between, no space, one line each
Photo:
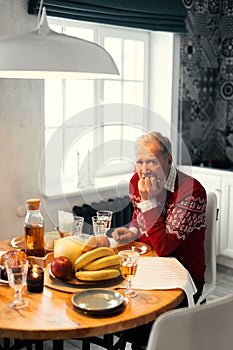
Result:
51,315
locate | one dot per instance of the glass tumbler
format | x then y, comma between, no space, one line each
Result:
78,225
105,214
99,225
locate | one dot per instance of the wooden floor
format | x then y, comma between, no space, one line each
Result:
224,283
224,287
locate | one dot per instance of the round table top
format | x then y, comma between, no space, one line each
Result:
51,314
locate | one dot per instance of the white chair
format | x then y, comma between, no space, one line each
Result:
206,326
210,246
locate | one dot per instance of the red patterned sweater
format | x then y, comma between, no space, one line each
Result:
176,226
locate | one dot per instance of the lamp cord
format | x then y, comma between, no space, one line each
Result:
39,12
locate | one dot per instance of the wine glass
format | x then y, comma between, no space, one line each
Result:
17,269
128,265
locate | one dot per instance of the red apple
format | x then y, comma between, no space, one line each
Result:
61,267
102,241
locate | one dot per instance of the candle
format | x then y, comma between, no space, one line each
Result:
35,279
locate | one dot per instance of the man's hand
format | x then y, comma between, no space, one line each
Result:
149,187
124,235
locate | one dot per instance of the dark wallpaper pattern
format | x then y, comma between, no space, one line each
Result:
206,96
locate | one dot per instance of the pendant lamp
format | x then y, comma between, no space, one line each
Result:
43,53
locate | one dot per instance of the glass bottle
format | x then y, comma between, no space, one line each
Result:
34,229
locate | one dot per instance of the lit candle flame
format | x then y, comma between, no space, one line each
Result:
35,272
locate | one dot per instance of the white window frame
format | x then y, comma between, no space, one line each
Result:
153,91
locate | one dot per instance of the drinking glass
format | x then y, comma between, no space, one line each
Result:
128,265
17,269
106,215
78,225
99,225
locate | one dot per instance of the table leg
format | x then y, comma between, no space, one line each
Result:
21,344
6,343
57,344
86,344
39,344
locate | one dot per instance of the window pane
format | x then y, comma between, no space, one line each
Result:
114,47
134,115
112,133
82,33
53,155
133,59
133,93
129,136
109,151
112,92
53,102
132,132
78,144
79,95
57,28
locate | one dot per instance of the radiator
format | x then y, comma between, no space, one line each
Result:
122,210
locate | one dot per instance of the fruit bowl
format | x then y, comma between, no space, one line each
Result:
72,282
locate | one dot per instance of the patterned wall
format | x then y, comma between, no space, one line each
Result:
206,96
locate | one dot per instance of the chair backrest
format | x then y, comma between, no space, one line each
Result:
202,327
210,245
210,237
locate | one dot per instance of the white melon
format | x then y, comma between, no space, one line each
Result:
71,247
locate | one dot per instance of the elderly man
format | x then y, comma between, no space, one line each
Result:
169,208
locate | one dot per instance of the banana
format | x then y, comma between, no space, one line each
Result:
91,255
99,275
102,263
117,267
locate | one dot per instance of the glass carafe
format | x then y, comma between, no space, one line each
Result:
34,229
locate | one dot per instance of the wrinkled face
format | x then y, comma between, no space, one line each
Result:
150,161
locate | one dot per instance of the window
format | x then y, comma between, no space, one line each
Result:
91,125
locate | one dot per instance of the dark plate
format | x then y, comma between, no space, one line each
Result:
71,281
97,300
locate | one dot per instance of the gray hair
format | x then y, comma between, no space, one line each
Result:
164,142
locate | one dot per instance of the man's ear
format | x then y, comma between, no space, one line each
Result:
170,160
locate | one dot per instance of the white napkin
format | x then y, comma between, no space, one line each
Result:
65,221
163,273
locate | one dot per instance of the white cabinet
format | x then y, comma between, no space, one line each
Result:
221,183
226,241
211,179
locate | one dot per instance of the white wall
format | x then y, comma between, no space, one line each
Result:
21,132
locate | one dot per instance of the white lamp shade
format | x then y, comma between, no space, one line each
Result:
43,53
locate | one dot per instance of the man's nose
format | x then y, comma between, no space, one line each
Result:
144,167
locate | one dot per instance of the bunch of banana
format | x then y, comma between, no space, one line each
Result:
97,264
